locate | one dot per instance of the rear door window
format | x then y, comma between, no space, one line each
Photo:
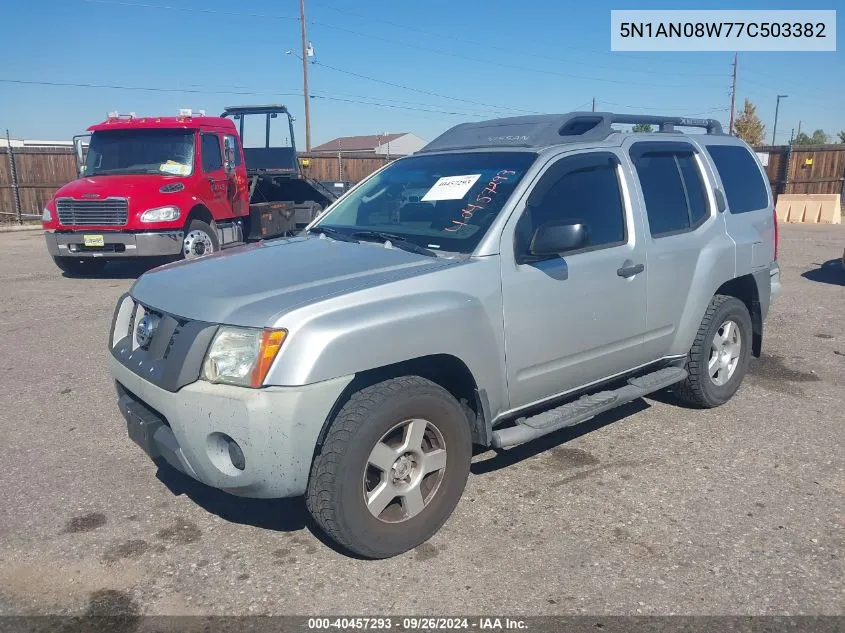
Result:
672,186
742,180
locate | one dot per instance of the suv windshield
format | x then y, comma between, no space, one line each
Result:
444,202
168,152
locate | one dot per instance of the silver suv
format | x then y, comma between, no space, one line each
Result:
514,277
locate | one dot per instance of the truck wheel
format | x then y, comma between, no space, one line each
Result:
719,357
392,468
200,240
80,265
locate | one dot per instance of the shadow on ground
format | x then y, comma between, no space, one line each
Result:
505,458
278,515
831,272
122,269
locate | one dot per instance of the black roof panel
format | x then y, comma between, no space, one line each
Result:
545,130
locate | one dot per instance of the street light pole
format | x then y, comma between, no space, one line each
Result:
777,107
305,78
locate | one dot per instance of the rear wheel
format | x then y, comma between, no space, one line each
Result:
200,240
719,357
393,466
80,265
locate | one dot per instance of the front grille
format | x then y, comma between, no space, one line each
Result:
176,349
108,212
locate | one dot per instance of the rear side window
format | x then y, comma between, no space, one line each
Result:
212,158
744,186
672,187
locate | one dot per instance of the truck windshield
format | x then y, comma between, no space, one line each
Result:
168,152
444,202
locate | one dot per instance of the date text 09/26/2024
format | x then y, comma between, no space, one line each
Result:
417,623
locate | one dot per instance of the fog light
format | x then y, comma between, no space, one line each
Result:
236,455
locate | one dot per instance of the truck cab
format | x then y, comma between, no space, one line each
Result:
176,187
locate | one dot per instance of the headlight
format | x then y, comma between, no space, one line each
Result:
161,214
46,216
241,356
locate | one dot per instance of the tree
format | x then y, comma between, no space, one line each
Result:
842,136
818,138
642,127
748,125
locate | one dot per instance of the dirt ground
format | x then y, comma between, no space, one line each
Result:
651,509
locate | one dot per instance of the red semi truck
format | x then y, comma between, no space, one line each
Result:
183,186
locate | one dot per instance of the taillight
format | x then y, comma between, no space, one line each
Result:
775,216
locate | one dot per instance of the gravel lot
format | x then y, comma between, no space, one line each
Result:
653,509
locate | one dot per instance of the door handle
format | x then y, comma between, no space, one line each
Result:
629,269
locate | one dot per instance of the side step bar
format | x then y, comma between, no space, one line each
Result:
585,407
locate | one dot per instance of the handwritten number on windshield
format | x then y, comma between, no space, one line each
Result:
484,197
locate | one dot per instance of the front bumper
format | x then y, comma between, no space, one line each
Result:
115,244
276,428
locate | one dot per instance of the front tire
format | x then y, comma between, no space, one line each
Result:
200,240
80,266
392,468
719,357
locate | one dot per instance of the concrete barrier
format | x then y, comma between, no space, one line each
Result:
809,208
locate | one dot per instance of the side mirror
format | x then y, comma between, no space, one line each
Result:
228,154
559,236
80,147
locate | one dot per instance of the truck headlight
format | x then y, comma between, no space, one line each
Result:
46,216
241,356
161,214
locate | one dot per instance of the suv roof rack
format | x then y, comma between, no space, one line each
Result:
544,130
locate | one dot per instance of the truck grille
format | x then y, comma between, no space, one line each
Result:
108,212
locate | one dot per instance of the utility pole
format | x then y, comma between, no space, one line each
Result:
799,129
733,96
305,78
594,104
777,107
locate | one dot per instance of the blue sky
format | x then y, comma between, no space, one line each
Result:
438,63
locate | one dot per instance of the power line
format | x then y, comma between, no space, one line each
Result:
235,92
265,15
685,109
804,98
580,50
500,63
420,90
144,5
424,48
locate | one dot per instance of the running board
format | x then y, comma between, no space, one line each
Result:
585,407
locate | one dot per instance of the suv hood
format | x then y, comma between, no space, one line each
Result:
256,284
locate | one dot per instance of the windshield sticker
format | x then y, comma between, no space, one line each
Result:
177,169
450,188
484,197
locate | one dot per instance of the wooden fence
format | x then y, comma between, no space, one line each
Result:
343,167
805,168
40,171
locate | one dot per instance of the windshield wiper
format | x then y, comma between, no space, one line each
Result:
328,231
398,241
